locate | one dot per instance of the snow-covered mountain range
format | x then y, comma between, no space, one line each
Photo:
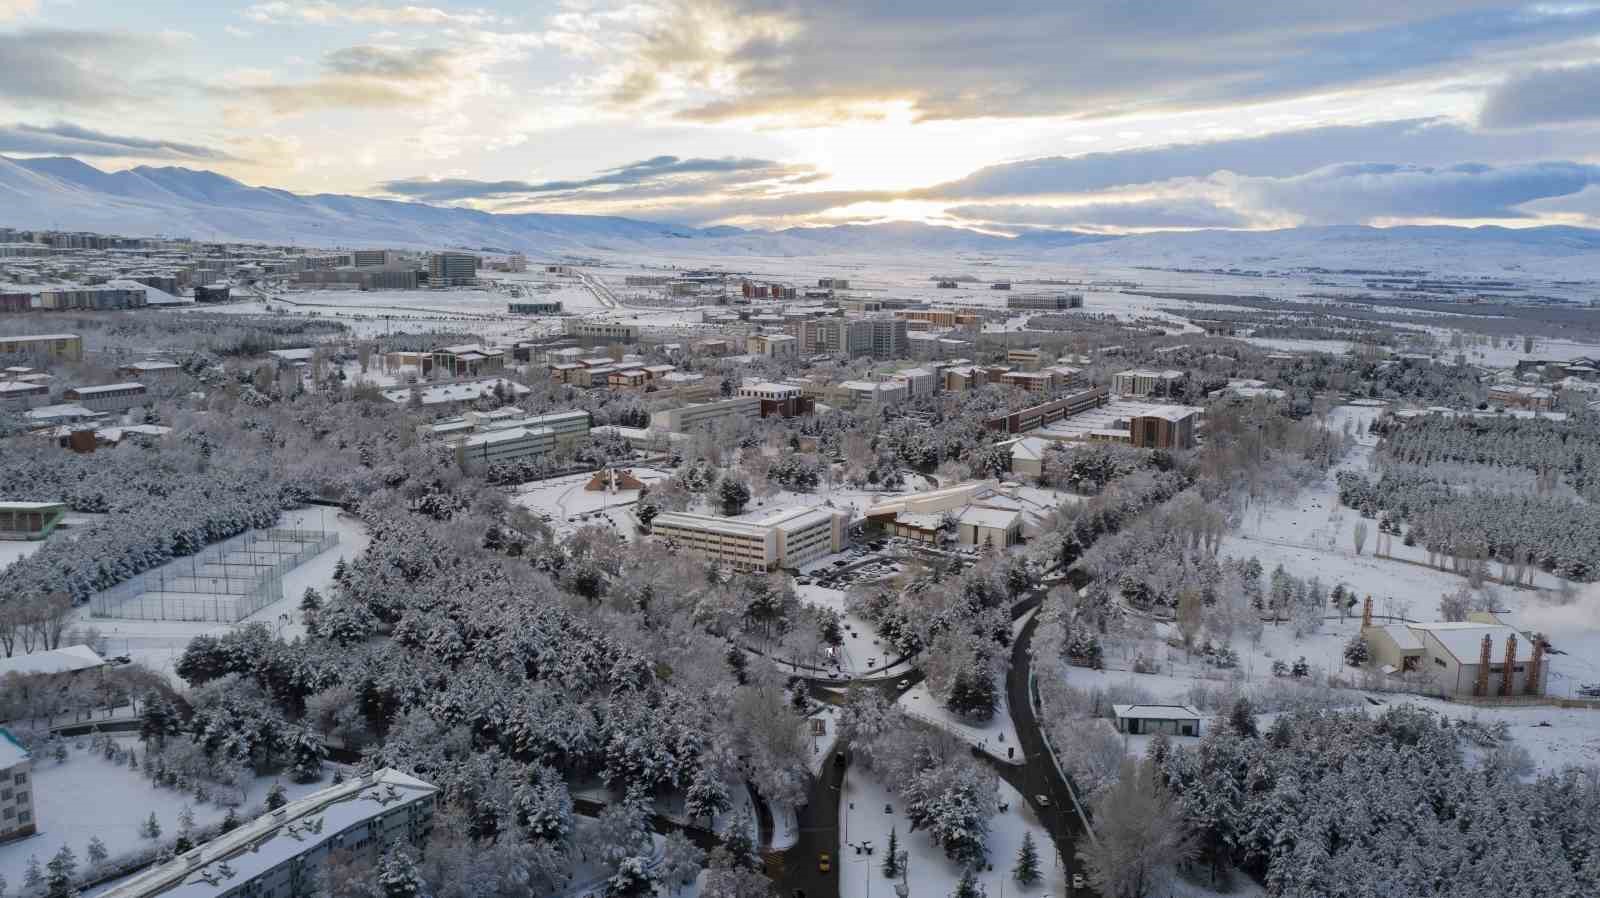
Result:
64,193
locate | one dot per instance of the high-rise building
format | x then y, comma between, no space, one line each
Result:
452,269
370,258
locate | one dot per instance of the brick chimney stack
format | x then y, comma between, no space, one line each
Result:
1481,687
1366,613
1511,660
1534,665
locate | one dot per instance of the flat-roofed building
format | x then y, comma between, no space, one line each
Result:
627,378
1473,658
1164,427
534,308
1030,359
29,520
1037,416
108,397
776,346
1524,397
468,360
23,394
1145,382
18,804
601,331
919,381
704,415
151,370
68,347
786,538
778,400
452,269
282,852
1045,302
979,525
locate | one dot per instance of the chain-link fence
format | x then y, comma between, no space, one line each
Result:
225,582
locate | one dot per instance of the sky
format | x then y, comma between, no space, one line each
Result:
1007,116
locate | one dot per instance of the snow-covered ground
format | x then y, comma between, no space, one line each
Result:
570,506
12,550
995,737
159,644
88,796
929,873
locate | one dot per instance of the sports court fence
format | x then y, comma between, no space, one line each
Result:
224,582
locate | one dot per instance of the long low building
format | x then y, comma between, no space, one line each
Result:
108,397
699,416
1036,416
282,852
787,538
482,439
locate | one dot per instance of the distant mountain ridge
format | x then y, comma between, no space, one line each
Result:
65,193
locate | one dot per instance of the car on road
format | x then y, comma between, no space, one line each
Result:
903,684
1043,800
824,863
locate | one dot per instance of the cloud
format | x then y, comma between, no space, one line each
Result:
370,77
46,66
311,13
714,60
1149,214
1545,97
1368,192
1286,153
657,176
765,208
16,9
72,140
410,64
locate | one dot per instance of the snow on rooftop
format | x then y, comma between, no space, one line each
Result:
1464,639
1156,712
62,660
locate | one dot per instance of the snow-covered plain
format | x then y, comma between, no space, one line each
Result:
88,796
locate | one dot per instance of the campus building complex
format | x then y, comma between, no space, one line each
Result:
789,538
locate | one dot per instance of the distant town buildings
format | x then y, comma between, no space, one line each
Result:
108,397
1145,382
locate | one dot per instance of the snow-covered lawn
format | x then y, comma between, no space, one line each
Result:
12,550
88,796
570,506
995,737
929,873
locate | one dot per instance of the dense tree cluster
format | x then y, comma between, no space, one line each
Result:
1569,449
1479,525
1297,807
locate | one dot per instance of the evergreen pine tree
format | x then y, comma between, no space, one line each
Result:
230,821
96,851
151,828
1026,871
891,858
275,797
737,662
969,887
33,877
61,871
397,874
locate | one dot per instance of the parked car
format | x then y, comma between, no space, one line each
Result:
1043,800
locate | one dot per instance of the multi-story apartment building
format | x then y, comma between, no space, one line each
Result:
1145,382
68,347
370,258
281,853
16,789
151,370
98,299
1045,302
452,269
107,397
787,538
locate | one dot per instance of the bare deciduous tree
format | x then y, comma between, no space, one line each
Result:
1139,831
1360,535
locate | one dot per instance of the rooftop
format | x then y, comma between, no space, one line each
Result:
1156,712
62,660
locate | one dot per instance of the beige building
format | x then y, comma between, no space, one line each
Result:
776,346
16,789
700,416
1464,659
1145,382
55,346
788,538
